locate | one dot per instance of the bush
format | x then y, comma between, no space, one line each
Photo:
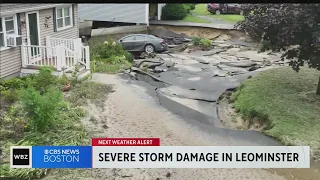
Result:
42,109
43,80
187,8
174,12
13,83
190,6
206,42
196,40
202,41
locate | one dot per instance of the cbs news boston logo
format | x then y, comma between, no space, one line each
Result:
20,156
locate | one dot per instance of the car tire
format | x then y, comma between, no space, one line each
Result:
241,12
149,49
217,12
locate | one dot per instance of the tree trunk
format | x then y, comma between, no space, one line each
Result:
318,90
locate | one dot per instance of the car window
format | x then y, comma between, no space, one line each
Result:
129,38
140,38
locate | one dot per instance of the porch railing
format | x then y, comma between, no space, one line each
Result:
80,52
58,57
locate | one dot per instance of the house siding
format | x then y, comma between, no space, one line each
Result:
70,33
10,59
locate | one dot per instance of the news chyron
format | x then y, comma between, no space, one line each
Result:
147,153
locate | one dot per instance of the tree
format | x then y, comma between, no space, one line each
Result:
174,12
291,28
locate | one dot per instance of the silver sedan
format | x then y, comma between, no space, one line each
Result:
143,43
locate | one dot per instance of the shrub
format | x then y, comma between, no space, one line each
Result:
190,7
10,95
43,80
64,80
196,40
187,8
13,83
206,42
174,12
42,109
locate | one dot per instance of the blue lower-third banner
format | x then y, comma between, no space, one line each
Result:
61,156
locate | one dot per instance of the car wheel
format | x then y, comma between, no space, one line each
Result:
217,12
149,49
241,12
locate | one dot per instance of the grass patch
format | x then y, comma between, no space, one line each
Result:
285,101
228,17
110,68
201,9
194,19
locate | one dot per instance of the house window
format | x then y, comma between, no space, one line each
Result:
8,25
64,17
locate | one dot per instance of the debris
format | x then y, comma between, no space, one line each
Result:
243,64
146,73
147,55
170,64
253,68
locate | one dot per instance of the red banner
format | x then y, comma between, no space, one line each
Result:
125,141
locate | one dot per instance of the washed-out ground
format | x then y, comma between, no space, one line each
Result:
133,112
180,108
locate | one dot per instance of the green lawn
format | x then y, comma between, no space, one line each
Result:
194,19
285,101
201,9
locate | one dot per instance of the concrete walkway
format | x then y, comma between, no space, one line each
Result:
220,25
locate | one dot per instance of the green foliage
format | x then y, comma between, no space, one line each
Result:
6,171
196,40
109,57
108,49
206,42
190,7
13,83
10,95
43,80
75,75
42,109
174,12
202,41
64,79
284,26
187,8
291,28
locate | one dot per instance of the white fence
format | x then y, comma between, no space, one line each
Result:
59,53
58,57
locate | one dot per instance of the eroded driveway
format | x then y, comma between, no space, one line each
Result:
190,84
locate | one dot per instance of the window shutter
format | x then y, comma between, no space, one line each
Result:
19,24
54,20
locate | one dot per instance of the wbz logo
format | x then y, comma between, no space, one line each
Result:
20,156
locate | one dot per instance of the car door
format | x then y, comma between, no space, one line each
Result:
127,43
139,42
